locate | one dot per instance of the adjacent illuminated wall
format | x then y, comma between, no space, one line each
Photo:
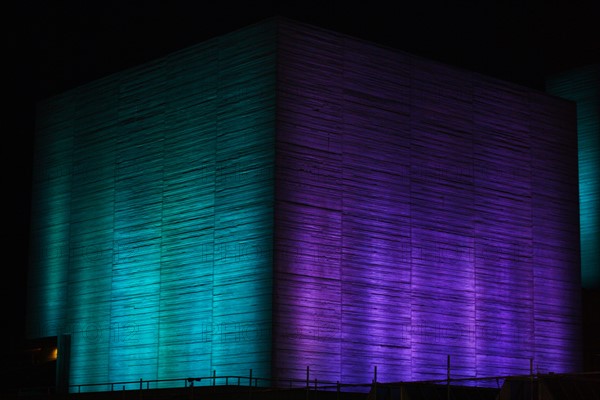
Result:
583,86
284,197
421,211
153,215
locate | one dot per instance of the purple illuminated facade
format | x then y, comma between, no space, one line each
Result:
421,211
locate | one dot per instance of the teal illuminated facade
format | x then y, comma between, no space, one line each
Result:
153,214
582,85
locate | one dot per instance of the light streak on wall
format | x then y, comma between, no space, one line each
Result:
582,86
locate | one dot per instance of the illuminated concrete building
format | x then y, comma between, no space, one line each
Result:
284,196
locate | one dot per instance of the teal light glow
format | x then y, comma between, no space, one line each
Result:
583,86
50,217
155,235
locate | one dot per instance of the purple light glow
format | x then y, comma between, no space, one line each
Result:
421,212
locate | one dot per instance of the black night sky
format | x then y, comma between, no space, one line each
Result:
52,46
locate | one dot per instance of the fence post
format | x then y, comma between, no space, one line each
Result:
307,380
250,385
307,376
214,377
375,382
448,379
531,378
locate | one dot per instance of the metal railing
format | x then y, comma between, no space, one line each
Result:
218,380
249,380
376,390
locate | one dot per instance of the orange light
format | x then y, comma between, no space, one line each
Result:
54,354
